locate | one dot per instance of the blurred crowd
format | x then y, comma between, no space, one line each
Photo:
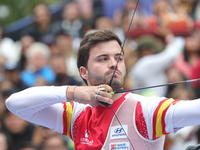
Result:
161,47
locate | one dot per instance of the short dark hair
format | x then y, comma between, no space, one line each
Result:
89,41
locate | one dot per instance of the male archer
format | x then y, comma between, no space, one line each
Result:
76,111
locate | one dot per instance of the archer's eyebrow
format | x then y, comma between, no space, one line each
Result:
119,54
102,55
106,55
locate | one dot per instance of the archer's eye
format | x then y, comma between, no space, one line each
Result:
103,59
119,58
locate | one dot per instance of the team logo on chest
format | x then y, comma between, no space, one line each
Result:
86,139
118,132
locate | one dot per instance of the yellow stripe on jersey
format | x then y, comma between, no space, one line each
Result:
160,116
68,118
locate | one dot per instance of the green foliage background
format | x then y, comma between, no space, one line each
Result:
20,9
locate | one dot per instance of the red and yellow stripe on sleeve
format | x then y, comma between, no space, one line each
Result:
67,118
159,118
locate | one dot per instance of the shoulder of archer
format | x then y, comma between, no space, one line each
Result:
154,115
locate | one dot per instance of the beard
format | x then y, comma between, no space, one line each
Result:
97,80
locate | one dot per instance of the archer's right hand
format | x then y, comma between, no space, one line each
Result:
90,94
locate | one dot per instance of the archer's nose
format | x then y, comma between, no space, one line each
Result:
113,64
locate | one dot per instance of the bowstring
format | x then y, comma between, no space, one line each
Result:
122,48
122,52
122,128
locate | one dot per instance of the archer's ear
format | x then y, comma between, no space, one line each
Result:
83,72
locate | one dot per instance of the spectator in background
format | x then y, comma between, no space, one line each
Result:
174,90
5,85
190,57
17,129
3,96
24,43
55,142
142,23
107,23
64,47
71,22
90,10
43,29
173,17
85,8
43,135
38,68
60,69
40,135
154,60
13,75
80,15
8,50
104,23
192,7
63,43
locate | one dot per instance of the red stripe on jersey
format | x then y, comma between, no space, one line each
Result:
163,120
159,123
140,121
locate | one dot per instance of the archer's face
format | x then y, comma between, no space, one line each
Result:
102,63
